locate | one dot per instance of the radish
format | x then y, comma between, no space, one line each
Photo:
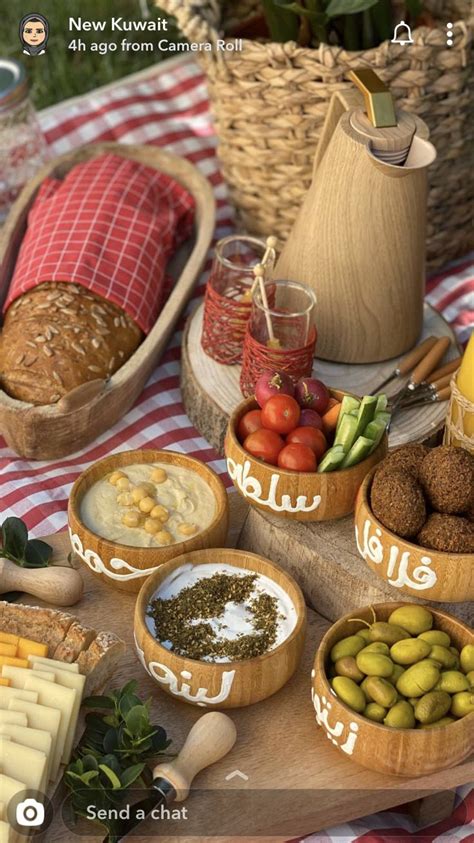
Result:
310,418
312,394
273,383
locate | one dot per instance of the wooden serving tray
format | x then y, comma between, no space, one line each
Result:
211,391
297,783
55,430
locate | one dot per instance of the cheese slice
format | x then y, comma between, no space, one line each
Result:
13,660
45,718
71,667
7,649
27,647
9,788
7,694
35,738
9,638
76,681
56,696
15,717
17,760
5,682
19,675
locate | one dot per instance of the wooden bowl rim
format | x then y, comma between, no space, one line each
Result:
404,544
150,585
219,492
320,667
251,404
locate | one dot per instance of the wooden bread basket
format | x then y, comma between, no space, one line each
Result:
55,430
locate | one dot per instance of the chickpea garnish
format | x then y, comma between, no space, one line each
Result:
187,529
138,494
123,483
159,475
124,499
163,537
146,504
131,519
115,477
160,512
152,526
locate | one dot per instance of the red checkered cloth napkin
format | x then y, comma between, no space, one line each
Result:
111,226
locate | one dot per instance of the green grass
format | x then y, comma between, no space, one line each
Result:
61,72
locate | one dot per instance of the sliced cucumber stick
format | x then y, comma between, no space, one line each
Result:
359,451
346,434
332,459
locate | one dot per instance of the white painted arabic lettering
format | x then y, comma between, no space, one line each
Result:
252,489
372,549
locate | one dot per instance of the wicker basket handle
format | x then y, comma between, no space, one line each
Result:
198,20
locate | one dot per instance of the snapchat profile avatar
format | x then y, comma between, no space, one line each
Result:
34,34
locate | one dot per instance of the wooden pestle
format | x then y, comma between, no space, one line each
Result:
61,586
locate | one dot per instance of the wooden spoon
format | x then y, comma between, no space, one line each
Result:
62,586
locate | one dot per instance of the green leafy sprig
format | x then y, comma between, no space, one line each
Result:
18,548
111,757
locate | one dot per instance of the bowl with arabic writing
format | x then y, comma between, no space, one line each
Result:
296,495
132,511
388,749
408,567
220,628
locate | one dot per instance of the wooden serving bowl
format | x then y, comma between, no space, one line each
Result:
224,684
126,567
414,570
400,752
298,495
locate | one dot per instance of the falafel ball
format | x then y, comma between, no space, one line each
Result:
397,501
449,533
408,458
447,478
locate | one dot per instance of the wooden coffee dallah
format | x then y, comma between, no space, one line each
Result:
359,239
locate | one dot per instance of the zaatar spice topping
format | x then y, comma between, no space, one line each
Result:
181,620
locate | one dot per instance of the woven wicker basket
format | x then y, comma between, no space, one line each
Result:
270,100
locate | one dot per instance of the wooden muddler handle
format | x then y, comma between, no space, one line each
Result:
211,737
58,585
447,369
426,366
440,383
415,355
444,394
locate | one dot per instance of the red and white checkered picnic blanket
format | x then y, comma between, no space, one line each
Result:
171,109
111,225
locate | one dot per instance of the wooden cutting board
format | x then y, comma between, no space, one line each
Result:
297,782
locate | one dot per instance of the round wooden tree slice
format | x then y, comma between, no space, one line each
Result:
211,391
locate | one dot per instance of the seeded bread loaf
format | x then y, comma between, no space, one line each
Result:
58,336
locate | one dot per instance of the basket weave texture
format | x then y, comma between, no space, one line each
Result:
270,100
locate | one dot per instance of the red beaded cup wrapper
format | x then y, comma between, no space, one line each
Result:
224,326
259,358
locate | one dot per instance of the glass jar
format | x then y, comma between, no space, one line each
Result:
23,147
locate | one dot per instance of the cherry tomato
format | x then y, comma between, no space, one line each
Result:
264,444
281,413
249,423
297,457
314,439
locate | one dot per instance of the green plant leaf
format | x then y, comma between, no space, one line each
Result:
348,7
137,719
37,553
112,777
14,537
283,25
98,702
415,8
131,774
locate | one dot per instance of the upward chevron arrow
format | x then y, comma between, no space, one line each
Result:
236,773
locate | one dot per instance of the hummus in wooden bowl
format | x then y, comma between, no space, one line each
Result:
133,511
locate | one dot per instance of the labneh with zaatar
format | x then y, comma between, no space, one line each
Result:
220,613
147,505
